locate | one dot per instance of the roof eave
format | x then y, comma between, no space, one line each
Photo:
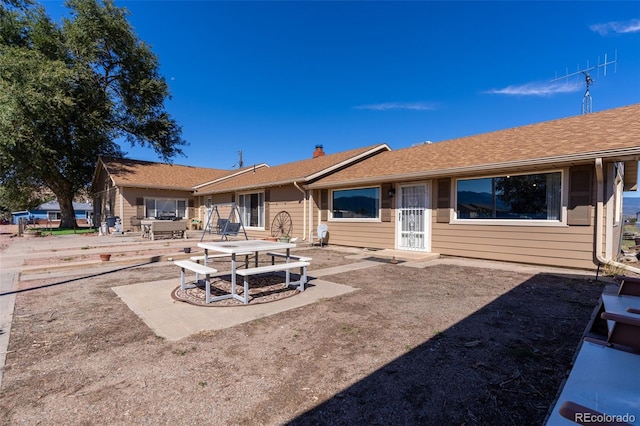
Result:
147,186
232,175
347,162
250,187
624,154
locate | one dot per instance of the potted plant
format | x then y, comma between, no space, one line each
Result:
284,239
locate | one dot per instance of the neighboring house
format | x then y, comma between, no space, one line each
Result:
49,213
548,193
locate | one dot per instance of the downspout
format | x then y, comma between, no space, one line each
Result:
121,209
599,222
304,211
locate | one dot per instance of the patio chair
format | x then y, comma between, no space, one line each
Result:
135,223
602,381
321,234
629,286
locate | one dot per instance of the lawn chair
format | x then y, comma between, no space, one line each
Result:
629,286
322,232
602,382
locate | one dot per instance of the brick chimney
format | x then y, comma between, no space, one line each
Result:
319,152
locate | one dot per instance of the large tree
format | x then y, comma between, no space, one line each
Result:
70,91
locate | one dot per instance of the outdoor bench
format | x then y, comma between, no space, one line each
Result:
198,269
287,267
621,305
274,254
601,383
168,227
216,256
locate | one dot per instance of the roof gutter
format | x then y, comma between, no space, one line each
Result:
549,162
304,210
148,186
602,260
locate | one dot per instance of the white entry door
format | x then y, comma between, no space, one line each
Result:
413,218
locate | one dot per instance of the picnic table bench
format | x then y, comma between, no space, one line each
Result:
293,256
287,267
198,269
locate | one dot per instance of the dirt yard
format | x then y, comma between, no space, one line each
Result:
440,345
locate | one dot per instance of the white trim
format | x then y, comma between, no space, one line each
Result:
348,161
562,222
229,176
186,207
330,217
262,213
428,211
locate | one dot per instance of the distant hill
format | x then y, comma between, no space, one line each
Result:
630,206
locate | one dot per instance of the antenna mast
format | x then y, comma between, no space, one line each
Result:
587,101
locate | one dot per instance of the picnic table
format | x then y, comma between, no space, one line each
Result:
234,248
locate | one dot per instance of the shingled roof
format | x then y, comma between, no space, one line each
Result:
301,172
146,174
613,133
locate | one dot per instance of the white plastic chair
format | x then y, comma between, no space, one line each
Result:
322,231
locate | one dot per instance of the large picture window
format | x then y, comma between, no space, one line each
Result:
519,197
164,208
251,208
360,203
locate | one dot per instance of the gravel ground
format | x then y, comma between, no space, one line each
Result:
443,344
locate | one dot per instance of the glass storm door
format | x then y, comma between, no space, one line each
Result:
412,218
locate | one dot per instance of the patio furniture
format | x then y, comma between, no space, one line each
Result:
624,331
253,246
198,269
135,223
621,305
603,381
629,286
152,228
321,234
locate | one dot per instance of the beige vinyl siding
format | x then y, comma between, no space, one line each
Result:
363,234
285,198
129,207
569,246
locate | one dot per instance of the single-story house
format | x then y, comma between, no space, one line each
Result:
548,193
49,213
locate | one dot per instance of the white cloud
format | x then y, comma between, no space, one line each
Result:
538,89
618,27
415,106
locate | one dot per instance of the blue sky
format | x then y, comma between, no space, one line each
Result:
275,78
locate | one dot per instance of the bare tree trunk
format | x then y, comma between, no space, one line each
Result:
67,214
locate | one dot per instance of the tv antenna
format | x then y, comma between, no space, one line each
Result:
240,163
587,101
